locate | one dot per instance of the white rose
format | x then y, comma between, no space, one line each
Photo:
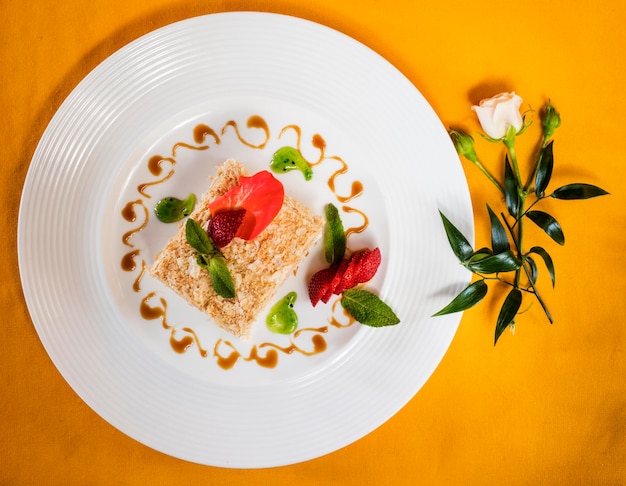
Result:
498,113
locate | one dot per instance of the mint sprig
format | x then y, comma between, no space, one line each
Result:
367,308
210,258
334,237
221,277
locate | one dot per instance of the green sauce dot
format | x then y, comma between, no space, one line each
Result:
289,158
171,209
282,318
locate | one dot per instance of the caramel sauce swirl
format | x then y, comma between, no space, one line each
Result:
149,312
356,229
270,358
317,141
128,261
348,319
129,214
226,362
357,186
255,121
137,282
188,147
154,166
180,345
201,131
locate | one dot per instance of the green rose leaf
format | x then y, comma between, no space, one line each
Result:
469,297
367,308
547,260
502,262
221,277
511,193
578,191
499,237
460,246
335,236
544,169
507,312
197,238
548,224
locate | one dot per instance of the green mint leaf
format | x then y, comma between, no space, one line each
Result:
367,308
511,193
197,238
203,260
544,169
547,260
499,237
221,277
502,262
335,236
460,246
469,297
507,313
578,191
548,224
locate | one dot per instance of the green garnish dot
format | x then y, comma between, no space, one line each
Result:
172,209
282,319
289,158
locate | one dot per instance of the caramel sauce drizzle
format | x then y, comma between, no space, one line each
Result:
226,362
128,260
149,312
356,229
357,186
255,121
137,282
129,214
181,345
201,131
317,141
270,358
154,166
187,146
335,322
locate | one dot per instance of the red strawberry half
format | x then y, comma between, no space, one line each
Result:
224,225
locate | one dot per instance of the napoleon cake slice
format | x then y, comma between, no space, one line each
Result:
258,266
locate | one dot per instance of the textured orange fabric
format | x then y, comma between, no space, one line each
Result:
547,405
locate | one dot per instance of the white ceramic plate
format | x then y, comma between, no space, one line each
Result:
146,100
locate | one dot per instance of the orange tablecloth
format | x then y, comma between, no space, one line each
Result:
547,405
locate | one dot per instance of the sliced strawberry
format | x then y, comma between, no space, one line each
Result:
261,195
348,278
320,283
339,271
224,225
368,265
